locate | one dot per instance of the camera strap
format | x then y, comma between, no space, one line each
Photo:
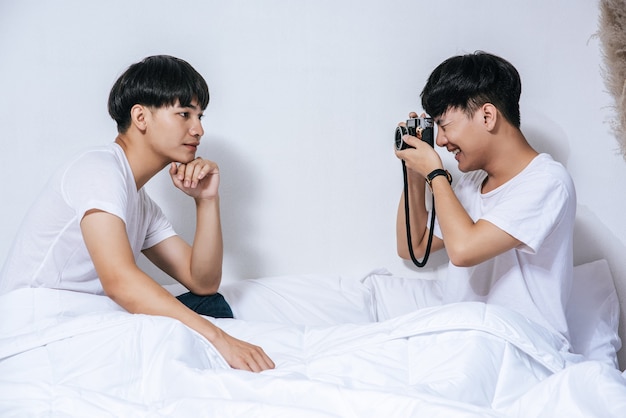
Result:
408,223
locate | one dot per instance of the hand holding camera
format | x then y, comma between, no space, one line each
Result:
426,158
421,127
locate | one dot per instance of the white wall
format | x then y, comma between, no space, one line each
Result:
305,98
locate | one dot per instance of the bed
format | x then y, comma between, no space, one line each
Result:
343,346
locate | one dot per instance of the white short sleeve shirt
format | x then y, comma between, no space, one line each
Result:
538,207
49,250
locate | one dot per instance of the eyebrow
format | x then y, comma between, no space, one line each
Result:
194,107
190,105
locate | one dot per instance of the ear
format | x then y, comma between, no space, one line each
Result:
138,114
490,116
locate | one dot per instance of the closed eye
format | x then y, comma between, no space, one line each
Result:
444,125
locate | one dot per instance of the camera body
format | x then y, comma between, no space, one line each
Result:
424,125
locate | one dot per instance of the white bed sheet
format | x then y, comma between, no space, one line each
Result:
592,311
71,354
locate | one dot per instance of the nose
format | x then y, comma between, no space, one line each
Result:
441,139
196,129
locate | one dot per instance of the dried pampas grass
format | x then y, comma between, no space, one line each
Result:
612,34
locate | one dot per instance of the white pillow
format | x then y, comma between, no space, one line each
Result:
395,296
301,300
593,313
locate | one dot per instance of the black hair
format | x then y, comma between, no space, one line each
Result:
156,81
466,82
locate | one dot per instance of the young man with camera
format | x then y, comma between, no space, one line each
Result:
86,231
507,226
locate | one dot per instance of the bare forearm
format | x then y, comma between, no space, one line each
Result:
456,225
207,250
137,293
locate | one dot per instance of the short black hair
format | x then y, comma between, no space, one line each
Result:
466,82
157,81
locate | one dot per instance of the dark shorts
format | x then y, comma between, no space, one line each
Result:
210,305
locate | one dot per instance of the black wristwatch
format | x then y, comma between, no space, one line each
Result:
438,172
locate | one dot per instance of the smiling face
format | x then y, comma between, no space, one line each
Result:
174,132
465,137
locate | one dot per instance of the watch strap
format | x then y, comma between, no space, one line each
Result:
438,172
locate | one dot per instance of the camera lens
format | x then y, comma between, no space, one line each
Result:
400,132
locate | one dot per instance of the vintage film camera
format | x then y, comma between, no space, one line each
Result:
413,125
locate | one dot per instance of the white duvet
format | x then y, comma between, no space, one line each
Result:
65,354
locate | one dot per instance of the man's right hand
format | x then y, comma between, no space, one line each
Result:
242,355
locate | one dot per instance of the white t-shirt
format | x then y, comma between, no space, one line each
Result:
538,207
49,250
